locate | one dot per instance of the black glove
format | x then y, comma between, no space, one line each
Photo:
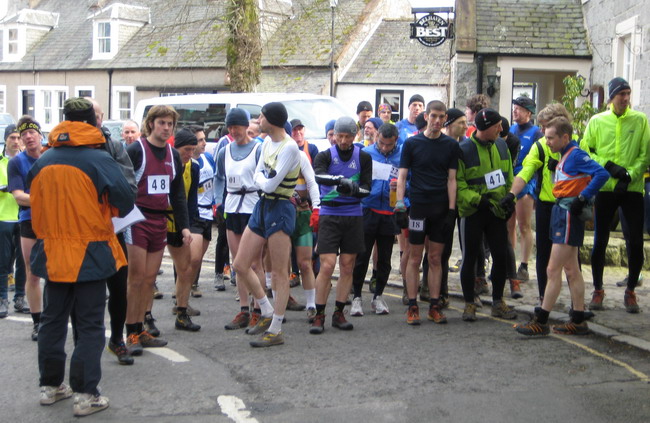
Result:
621,187
402,219
484,204
576,206
552,164
348,187
508,201
618,172
449,223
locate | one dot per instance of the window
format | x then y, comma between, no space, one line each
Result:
122,103
45,103
53,106
12,41
85,91
3,106
104,37
626,49
395,99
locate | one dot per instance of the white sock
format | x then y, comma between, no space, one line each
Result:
267,276
310,297
276,324
265,305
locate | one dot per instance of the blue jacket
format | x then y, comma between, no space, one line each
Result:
379,198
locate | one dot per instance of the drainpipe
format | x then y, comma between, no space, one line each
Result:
110,93
479,74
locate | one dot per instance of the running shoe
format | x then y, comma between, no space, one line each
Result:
148,341
120,351
184,322
241,320
157,294
515,289
20,306
629,299
356,309
196,292
597,300
622,283
261,326
294,305
311,313
522,273
318,325
456,267
52,394
379,305
255,317
571,328
413,315
35,332
133,345
268,339
501,309
87,404
372,286
469,314
339,321
424,291
4,308
226,271
533,328
481,286
294,280
150,326
444,302
436,315
219,284
11,282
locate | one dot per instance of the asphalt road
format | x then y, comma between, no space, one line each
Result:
382,371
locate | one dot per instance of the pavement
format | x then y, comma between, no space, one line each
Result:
613,322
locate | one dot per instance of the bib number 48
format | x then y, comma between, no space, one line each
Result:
158,184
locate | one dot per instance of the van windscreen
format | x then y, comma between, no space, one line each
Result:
211,116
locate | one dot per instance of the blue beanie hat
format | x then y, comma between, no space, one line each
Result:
376,122
329,126
617,85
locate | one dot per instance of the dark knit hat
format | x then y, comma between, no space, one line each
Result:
416,97
27,122
345,125
184,137
10,129
78,109
526,103
420,121
295,123
486,118
288,128
505,127
376,122
364,106
275,113
617,85
329,126
237,117
453,115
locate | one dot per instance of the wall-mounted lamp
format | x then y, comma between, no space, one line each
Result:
491,79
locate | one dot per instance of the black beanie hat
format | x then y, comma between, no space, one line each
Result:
420,121
79,109
237,117
10,129
505,127
184,137
275,113
617,85
364,106
486,118
452,116
416,97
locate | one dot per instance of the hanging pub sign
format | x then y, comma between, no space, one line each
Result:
431,30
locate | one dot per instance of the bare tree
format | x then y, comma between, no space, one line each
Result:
243,49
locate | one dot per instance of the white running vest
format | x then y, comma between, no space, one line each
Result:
206,189
240,187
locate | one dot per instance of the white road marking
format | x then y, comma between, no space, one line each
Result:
166,353
235,409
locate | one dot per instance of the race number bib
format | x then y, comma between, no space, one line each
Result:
494,179
393,172
207,186
234,182
416,225
158,184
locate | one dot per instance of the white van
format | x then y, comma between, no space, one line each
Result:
209,110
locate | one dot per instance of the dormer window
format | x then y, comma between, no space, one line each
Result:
12,41
23,30
14,44
103,45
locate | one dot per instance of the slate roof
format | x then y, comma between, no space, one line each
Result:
185,34
390,56
531,27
